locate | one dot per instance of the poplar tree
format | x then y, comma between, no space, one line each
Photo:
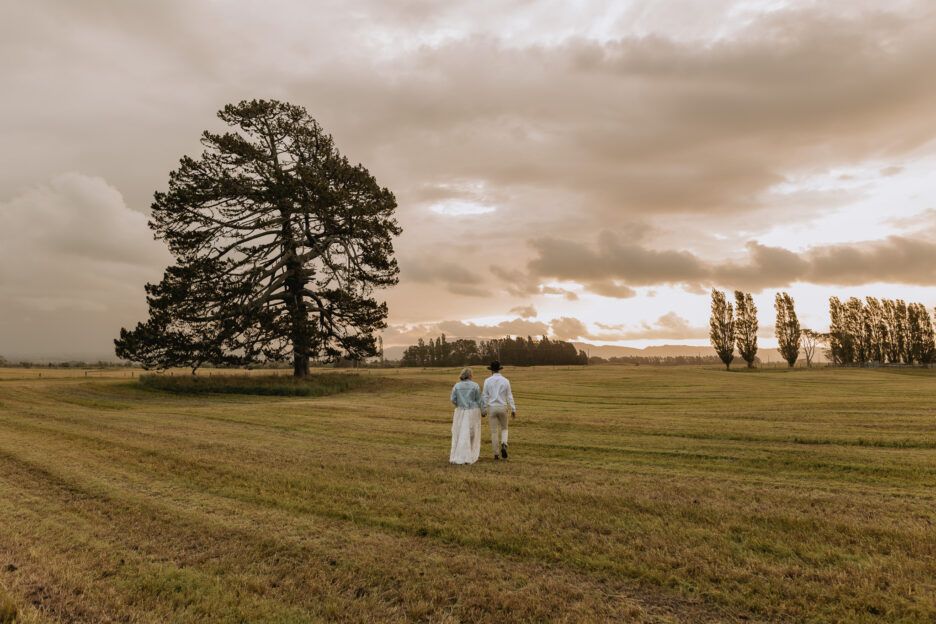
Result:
875,330
922,348
721,330
855,326
893,323
279,242
906,354
840,341
787,328
745,327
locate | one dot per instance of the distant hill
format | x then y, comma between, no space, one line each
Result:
394,353
610,351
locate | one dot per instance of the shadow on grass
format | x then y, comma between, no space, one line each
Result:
267,385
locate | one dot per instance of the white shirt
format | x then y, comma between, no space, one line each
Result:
497,392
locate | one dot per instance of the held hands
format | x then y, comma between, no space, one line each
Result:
513,414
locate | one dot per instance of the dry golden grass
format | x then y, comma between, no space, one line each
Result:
632,494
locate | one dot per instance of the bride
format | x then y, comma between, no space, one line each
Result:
466,426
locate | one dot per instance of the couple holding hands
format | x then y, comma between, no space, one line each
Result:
471,403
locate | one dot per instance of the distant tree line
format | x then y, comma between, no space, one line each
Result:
68,364
511,351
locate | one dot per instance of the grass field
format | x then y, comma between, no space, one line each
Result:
631,494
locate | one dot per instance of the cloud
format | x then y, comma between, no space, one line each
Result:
922,225
521,284
565,328
623,121
72,246
668,326
408,334
74,243
644,125
629,263
611,289
524,311
516,327
457,279
895,259
568,328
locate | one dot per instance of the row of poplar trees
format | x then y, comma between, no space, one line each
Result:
736,326
880,332
860,333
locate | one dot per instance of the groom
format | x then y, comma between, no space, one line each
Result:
496,396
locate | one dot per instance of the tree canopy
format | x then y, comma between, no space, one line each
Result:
787,328
745,327
279,242
721,327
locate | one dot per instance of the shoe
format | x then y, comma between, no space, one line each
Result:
504,451
495,456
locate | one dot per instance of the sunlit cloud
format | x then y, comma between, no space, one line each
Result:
461,208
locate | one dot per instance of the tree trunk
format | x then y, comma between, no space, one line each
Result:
299,315
300,365
299,335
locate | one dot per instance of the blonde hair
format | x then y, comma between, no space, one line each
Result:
465,374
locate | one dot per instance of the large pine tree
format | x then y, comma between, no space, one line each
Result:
279,242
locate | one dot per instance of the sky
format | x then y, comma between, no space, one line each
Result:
583,170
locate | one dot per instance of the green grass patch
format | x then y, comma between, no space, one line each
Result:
265,385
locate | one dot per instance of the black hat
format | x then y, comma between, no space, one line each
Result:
495,366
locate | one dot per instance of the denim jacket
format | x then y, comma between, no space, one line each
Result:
466,394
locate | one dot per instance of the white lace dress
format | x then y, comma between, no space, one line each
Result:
466,424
